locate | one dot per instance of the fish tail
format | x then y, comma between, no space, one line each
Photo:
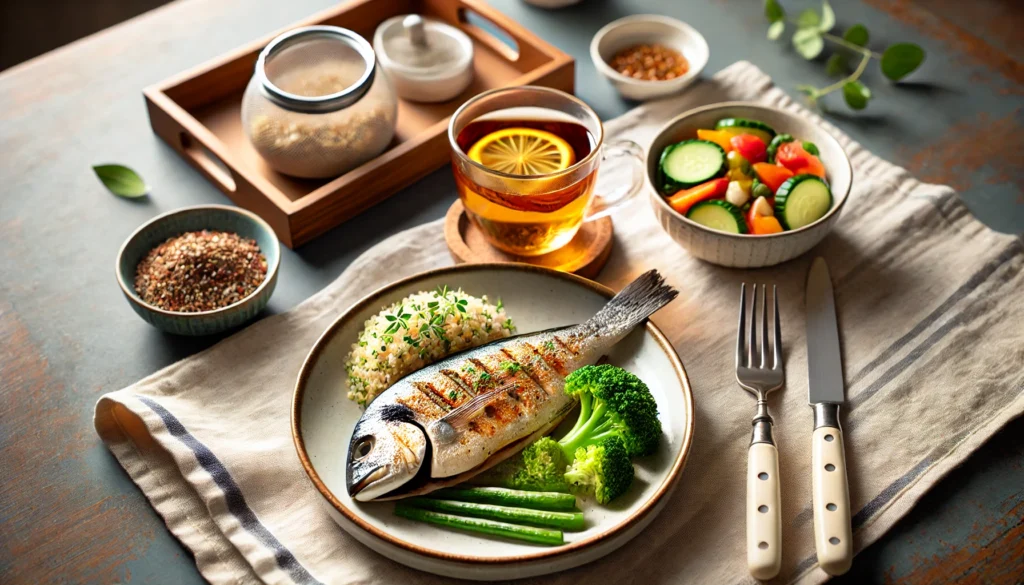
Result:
632,305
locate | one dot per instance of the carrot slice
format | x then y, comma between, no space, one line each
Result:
683,200
772,175
765,225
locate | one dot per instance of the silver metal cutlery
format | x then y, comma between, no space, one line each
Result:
830,492
760,372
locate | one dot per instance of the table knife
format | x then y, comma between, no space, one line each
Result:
830,493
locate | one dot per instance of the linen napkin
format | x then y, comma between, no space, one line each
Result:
933,336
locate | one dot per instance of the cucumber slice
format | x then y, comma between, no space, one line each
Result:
755,127
691,162
779,140
718,215
802,200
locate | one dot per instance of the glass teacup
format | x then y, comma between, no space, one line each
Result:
526,161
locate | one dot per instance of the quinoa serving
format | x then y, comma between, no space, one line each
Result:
200,271
416,331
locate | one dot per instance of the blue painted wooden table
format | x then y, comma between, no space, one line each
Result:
69,514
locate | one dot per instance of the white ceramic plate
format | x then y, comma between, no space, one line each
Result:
535,298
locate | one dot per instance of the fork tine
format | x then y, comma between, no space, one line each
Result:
764,326
778,332
752,342
740,342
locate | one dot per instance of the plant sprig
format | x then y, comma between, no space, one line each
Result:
812,30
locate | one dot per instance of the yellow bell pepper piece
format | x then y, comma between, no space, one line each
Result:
719,137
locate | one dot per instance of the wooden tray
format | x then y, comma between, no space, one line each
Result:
585,255
198,114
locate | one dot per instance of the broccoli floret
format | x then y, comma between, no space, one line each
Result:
603,470
613,403
539,467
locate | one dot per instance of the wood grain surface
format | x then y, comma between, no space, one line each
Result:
69,514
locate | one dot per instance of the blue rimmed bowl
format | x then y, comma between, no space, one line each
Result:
201,217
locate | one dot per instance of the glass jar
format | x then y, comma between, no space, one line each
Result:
317,106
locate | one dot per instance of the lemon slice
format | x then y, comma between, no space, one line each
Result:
523,151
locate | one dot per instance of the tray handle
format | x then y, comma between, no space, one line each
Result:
208,163
489,31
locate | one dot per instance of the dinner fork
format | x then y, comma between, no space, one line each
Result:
761,374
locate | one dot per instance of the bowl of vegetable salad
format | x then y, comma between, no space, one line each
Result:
745,185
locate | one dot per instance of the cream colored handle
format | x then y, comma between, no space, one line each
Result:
831,501
764,512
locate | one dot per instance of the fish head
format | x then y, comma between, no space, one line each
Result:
387,451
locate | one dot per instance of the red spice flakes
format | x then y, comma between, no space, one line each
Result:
650,62
200,271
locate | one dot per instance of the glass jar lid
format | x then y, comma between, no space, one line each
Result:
316,69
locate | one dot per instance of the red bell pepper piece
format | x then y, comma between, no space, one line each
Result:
791,155
684,199
813,167
772,175
750,147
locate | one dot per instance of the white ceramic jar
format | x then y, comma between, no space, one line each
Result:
317,105
426,59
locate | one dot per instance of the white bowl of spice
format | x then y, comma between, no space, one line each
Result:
647,56
199,270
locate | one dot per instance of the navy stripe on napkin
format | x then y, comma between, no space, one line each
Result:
232,494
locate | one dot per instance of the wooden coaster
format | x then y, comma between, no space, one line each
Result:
585,255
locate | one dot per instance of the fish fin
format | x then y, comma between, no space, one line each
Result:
461,415
632,305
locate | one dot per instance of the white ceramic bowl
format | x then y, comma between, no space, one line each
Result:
648,29
739,250
536,298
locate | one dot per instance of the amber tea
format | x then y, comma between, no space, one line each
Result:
529,206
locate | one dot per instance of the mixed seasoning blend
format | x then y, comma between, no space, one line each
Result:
650,62
200,271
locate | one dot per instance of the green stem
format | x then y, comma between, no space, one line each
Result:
845,43
578,438
507,497
480,525
572,521
586,401
852,77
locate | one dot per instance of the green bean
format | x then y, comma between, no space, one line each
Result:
514,531
572,521
508,497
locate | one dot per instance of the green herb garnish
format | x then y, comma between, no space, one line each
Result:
812,30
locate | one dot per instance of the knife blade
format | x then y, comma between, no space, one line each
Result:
824,362
830,493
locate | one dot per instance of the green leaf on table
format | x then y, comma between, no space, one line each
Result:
857,34
121,180
901,59
828,17
808,19
808,42
775,30
837,65
773,11
856,94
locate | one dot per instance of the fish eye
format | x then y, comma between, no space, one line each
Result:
362,448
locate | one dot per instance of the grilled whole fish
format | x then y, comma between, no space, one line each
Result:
453,419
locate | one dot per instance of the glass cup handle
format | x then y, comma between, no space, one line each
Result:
614,198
